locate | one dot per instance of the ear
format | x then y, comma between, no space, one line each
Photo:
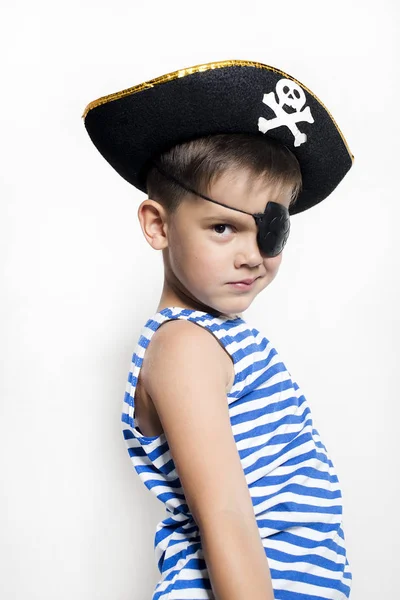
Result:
152,217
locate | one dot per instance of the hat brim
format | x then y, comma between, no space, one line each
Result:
131,126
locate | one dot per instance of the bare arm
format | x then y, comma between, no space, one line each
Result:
235,557
185,376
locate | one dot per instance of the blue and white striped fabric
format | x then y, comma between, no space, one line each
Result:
294,488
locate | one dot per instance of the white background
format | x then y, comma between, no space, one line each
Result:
79,280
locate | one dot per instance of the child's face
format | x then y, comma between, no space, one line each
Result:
210,246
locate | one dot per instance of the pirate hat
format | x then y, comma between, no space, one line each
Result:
132,126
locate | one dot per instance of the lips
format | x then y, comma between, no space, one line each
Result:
247,281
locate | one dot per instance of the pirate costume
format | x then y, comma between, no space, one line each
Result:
292,482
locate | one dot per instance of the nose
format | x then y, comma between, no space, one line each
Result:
249,254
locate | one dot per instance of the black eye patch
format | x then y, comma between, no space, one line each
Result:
273,224
273,228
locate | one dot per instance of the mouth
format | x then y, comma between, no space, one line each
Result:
246,281
244,284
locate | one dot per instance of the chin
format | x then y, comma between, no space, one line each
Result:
234,309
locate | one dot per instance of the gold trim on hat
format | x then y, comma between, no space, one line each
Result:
198,69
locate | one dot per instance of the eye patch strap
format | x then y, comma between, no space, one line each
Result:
273,224
184,186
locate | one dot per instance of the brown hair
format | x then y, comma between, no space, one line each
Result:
199,162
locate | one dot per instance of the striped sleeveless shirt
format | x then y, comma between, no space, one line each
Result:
292,482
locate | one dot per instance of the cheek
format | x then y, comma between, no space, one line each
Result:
188,255
204,265
272,264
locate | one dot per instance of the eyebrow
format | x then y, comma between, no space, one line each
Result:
222,218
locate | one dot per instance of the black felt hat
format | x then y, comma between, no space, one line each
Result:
234,96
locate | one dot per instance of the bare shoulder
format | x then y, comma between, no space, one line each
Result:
187,384
179,334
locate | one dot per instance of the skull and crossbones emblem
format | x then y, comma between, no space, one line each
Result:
292,95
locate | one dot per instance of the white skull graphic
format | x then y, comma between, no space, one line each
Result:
291,94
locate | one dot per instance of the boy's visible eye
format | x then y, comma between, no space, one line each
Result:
220,228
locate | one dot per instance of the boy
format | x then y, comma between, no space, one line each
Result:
214,424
